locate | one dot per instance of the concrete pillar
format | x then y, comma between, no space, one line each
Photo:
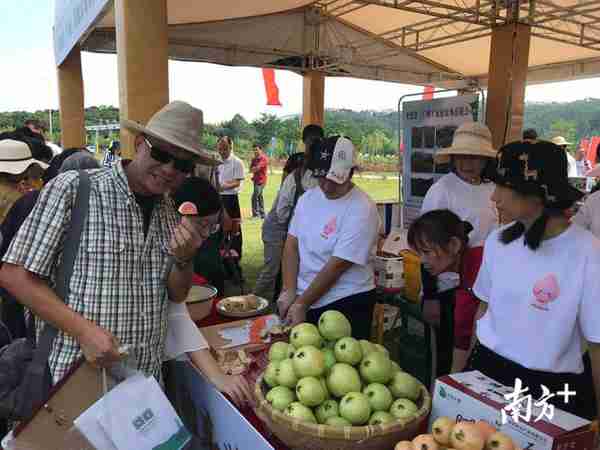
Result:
70,98
509,58
143,62
313,99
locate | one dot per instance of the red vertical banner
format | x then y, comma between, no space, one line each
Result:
271,87
428,92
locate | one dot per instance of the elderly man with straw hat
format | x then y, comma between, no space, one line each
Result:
135,253
466,192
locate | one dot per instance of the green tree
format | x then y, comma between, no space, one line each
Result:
564,128
289,133
374,143
267,126
237,128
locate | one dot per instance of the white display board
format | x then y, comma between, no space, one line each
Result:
428,126
217,417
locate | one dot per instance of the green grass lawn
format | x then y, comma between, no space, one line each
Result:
253,248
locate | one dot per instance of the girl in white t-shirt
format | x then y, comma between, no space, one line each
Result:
539,283
467,193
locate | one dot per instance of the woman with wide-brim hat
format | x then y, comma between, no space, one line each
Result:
538,284
465,190
467,193
19,173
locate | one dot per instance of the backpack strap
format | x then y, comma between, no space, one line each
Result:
297,194
79,213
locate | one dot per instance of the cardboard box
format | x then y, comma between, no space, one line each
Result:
389,272
471,396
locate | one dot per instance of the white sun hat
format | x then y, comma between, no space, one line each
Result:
560,141
471,138
16,157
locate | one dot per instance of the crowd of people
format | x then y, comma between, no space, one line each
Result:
508,276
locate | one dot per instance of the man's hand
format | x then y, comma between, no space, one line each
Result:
100,347
432,312
285,300
296,314
186,239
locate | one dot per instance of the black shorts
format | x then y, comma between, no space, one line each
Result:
231,203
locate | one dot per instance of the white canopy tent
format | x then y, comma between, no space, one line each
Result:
447,43
413,42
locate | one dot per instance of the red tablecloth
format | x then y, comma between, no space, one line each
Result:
214,318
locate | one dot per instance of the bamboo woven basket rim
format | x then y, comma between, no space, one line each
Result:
351,433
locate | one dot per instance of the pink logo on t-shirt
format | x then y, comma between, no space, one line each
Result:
545,291
329,228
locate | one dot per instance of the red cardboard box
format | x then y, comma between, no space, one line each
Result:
471,396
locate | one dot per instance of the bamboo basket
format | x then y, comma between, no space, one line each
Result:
307,436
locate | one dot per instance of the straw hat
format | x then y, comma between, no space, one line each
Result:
16,157
471,138
178,124
560,141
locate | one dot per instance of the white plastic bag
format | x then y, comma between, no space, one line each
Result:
133,415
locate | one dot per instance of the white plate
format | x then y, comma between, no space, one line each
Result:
199,294
263,304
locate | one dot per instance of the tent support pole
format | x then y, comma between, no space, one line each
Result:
313,105
70,92
143,62
506,83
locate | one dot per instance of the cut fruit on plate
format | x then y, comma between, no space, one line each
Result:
188,209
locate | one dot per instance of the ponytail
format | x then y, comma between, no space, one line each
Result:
534,235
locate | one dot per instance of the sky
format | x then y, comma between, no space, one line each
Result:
28,77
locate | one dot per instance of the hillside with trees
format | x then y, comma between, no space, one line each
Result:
374,132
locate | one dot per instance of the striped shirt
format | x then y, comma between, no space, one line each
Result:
119,281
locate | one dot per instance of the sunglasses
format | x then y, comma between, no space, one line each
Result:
162,156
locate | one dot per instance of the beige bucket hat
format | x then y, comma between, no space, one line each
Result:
471,138
16,157
560,141
178,124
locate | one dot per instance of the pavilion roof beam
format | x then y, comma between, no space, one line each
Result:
350,5
580,9
392,45
559,38
579,38
406,31
444,10
583,26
